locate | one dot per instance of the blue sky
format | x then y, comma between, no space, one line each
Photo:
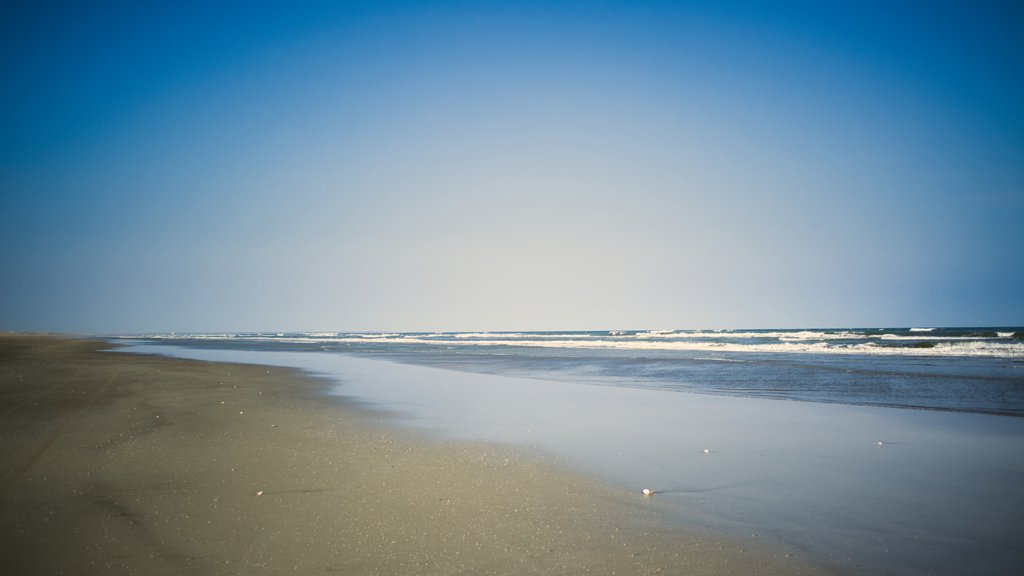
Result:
510,166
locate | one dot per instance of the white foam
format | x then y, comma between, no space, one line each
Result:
516,336
801,335
804,342
651,333
811,335
992,349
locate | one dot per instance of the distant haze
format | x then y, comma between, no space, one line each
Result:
522,166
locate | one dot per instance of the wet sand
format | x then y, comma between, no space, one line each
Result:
860,489
136,464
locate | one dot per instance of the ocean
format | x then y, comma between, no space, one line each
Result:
871,451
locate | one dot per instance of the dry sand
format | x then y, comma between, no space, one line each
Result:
114,463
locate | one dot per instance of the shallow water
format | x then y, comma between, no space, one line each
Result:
940,495
966,370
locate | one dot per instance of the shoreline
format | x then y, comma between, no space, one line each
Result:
146,464
815,375
865,490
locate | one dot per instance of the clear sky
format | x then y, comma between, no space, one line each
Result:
332,166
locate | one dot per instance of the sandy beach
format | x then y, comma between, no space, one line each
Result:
136,464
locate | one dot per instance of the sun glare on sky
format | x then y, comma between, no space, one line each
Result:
510,166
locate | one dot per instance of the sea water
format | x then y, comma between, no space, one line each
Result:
845,475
